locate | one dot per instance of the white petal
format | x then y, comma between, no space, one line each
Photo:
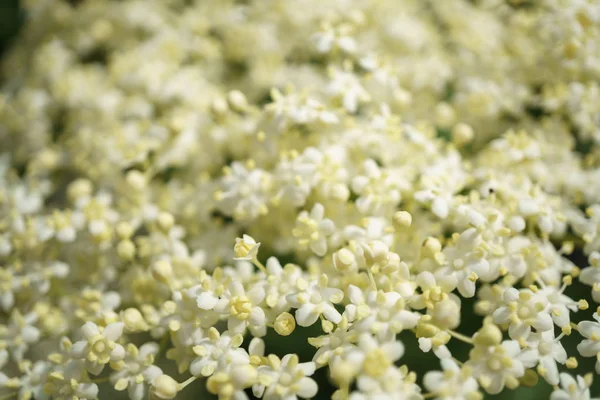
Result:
307,388
305,315
113,331
331,313
118,353
79,349
588,328
206,300
90,329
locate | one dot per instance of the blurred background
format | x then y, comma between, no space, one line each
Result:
12,18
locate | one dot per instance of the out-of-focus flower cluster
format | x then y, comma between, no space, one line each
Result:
179,179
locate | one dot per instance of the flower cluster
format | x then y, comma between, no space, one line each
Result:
183,182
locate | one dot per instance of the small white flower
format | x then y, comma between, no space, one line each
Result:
216,351
20,333
315,298
243,309
137,371
382,314
313,229
346,87
245,248
571,389
547,351
378,189
99,346
590,347
285,379
522,310
497,366
453,383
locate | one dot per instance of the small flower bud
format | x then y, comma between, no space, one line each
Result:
431,246
133,320
126,249
462,134
165,220
444,115
136,180
402,219
488,335
343,259
237,101
219,108
162,271
284,324
164,387
245,248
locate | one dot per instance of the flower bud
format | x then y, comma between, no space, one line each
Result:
136,180
126,249
343,259
462,134
284,324
488,335
245,248
164,387
402,219
237,101
162,271
133,320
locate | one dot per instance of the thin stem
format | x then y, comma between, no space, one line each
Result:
460,337
259,265
457,361
372,279
100,380
183,384
164,343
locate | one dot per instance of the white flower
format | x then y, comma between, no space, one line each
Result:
378,189
591,275
19,334
137,371
280,282
330,38
465,261
216,351
571,389
382,314
497,366
313,229
32,382
99,346
454,383
590,347
334,344
345,86
546,350
522,310
244,192
373,357
313,299
379,377
243,309
245,248
68,381
285,379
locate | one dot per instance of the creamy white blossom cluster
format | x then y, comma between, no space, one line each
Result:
192,191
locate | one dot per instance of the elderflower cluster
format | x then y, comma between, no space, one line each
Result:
192,193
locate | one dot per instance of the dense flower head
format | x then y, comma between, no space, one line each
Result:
245,197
